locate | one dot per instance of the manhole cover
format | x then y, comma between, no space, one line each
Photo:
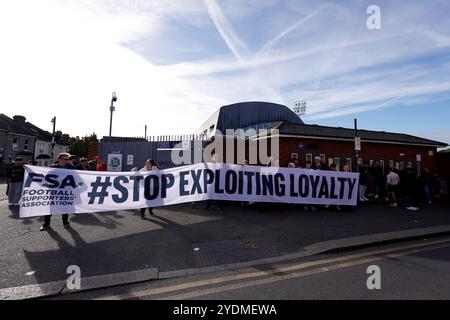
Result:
251,246
218,252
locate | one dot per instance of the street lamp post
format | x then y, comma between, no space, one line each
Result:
112,109
53,138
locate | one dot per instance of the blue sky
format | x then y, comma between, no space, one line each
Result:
173,63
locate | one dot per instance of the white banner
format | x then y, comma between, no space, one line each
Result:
55,191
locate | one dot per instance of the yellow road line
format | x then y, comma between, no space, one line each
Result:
188,285
278,278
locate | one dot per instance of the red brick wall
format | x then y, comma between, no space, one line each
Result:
345,149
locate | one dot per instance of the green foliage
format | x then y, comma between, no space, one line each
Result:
80,146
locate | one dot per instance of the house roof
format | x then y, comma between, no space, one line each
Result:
9,124
41,134
286,128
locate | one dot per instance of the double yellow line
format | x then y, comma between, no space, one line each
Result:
279,274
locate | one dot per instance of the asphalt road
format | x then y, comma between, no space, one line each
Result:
408,270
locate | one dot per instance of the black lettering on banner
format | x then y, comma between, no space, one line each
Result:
267,184
33,177
314,184
51,181
217,182
136,180
341,191
292,185
280,188
123,190
249,176
148,192
241,182
183,183
258,183
303,186
208,178
167,182
230,182
333,195
351,185
196,182
324,188
68,181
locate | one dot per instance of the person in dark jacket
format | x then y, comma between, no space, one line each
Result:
412,185
63,163
376,178
15,176
363,181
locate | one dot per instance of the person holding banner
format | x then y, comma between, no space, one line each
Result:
63,163
150,165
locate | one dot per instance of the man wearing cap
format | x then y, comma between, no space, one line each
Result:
63,163
15,178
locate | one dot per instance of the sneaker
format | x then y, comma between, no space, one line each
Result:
142,217
376,196
393,205
44,228
365,199
412,208
313,209
362,200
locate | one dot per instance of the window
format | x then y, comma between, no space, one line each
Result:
371,162
294,156
418,168
322,157
309,157
15,144
330,161
360,161
41,147
349,162
402,165
337,162
26,145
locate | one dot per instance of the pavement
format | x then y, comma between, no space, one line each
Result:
3,195
113,248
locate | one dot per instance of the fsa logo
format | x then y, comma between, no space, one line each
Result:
50,181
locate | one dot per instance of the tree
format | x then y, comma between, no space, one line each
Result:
80,146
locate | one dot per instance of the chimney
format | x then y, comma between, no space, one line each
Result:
19,119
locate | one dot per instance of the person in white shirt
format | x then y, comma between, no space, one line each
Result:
150,165
392,181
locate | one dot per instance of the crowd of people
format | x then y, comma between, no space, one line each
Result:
391,185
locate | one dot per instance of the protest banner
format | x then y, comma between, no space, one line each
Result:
55,191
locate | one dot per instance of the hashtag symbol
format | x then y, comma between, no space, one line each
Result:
102,194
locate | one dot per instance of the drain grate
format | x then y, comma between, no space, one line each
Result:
232,251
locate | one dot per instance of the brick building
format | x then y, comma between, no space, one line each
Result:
297,140
336,145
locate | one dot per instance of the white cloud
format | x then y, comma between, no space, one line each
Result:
64,58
